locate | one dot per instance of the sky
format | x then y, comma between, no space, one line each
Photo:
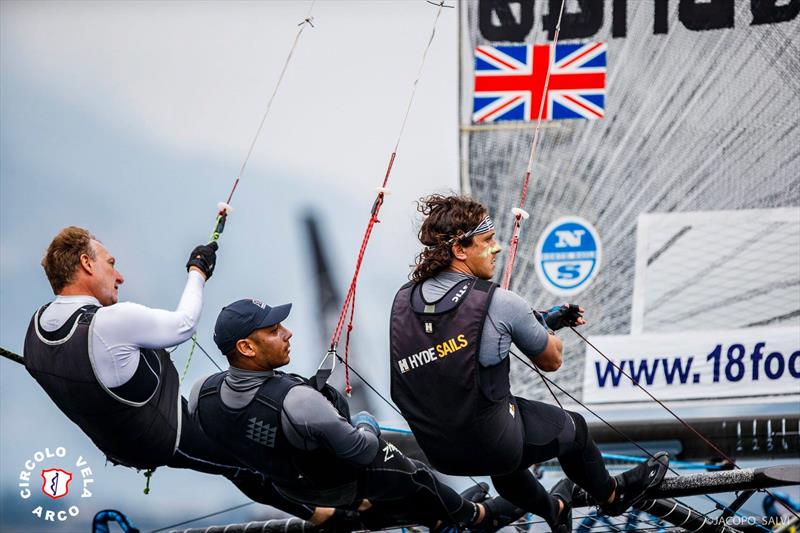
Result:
132,119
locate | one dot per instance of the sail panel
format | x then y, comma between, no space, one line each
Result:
700,129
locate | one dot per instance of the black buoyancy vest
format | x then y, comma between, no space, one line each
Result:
136,424
253,434
462,414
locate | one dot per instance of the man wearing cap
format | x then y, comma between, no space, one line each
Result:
277,424
104,364
451,331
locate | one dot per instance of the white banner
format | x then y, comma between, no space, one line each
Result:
695,365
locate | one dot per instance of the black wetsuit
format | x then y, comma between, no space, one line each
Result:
462,412
144,423
332,464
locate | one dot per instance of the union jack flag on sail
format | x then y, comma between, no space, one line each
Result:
509,82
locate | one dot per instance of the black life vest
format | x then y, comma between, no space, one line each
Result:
253,434
136,424
462,414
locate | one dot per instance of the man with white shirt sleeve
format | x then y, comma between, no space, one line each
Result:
105,365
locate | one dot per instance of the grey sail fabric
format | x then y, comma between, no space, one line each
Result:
702,114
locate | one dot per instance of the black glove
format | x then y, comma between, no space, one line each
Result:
562,316
204,257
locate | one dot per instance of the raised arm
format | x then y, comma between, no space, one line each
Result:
128,325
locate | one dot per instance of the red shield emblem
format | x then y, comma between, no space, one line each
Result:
55,482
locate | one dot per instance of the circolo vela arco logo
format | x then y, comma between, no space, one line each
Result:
568,255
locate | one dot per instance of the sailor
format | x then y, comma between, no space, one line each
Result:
450,333
278,424
104,364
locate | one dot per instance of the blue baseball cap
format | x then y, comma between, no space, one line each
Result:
239,319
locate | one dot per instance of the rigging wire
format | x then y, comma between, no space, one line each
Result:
349,304
619,432
519,212
381,396
307,21
302,26
670,411
12,356
224,208
209,357
209,515
659,402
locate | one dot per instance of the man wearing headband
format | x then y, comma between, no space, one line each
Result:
450,333
307,443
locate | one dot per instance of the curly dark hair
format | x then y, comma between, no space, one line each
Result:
447,219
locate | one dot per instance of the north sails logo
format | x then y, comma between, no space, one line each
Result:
568,255
261,433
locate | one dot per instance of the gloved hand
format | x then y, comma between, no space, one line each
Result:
562,316
365,420
204,257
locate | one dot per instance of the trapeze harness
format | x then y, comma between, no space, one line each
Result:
462,413
255,437
115,418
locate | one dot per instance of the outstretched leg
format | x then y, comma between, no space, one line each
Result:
582,462
581,459
393,476
552,432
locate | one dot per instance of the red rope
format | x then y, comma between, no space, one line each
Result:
512,246
233,190
350,298
347,388
337,333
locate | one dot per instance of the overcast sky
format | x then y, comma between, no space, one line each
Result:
133,118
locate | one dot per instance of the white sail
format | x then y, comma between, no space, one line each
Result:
689,173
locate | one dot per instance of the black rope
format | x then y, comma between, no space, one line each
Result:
204,516
607,423
209,357
382,397
670,411
659,402
19,359
11,356
546,384
367,383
